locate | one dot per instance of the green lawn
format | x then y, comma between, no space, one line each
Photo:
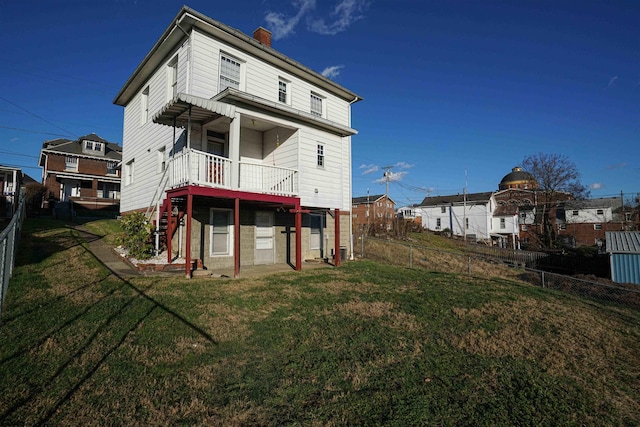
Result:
363,344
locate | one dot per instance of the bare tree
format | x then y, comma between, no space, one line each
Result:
558,179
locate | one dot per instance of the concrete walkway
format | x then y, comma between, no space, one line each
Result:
104,253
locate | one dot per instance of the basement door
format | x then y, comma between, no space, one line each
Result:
264,252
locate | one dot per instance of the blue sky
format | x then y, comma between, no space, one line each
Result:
451,88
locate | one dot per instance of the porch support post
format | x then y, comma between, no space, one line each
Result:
169,230
188,240
337,239
298,238
236,239
234,151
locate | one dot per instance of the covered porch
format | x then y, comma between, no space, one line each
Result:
228,228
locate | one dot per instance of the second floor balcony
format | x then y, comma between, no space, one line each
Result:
194,167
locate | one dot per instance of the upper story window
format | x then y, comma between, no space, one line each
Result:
316,105
574,213
144,106
320,150
443,209
71,163
597,226
503,223
229,72
599,212
92,147
284,91
172,78
112,168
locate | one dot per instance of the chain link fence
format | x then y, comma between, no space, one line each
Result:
9,239
491,263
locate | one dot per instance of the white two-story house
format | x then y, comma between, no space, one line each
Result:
244,151
467,215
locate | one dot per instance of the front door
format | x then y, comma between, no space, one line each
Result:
264,252
70,188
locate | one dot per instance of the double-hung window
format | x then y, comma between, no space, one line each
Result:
283,91
172,78
229,72
71,163
112,168
316,105
320,151
503,223
144,106
220,238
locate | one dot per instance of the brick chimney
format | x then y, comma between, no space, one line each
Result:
263,36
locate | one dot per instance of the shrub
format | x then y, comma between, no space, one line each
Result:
137,236
34,194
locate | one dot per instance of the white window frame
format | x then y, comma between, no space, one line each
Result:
562,226
129,170
162,159
172,78
443,209
228,233
71,163
144,106
438,223
599,211
316,101
112,168
575,213
286,84
88,145
503,223
224,76
316,231
320,160
597,226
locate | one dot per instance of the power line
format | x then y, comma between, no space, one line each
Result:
37,116
18,154
34,131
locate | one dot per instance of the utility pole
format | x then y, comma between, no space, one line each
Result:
387,177
464,209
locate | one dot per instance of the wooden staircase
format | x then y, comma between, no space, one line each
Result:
169,221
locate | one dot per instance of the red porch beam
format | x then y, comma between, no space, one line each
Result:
169,230
188,248
298,213
337,239
236,239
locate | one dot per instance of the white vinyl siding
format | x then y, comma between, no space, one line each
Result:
172,79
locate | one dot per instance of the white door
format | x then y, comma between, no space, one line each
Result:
264,252
69,189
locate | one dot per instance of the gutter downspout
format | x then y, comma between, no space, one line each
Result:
356,99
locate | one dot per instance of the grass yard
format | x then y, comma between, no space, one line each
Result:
363,344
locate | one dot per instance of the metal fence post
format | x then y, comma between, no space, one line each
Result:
362,245
469,266
542,278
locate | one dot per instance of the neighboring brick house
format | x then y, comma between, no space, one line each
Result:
84,172
240,154
372,211
585,222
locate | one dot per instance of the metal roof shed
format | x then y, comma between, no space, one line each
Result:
623,248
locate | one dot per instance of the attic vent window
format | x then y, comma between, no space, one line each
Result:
93,146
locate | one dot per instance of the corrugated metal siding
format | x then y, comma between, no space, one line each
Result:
623,241
625,268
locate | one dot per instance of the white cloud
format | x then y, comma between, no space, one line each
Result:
596,186
282,26
332,72
344,14
612,81
403,165
14,139
369,169
617,166
393,177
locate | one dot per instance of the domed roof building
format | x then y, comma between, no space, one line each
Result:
518,178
